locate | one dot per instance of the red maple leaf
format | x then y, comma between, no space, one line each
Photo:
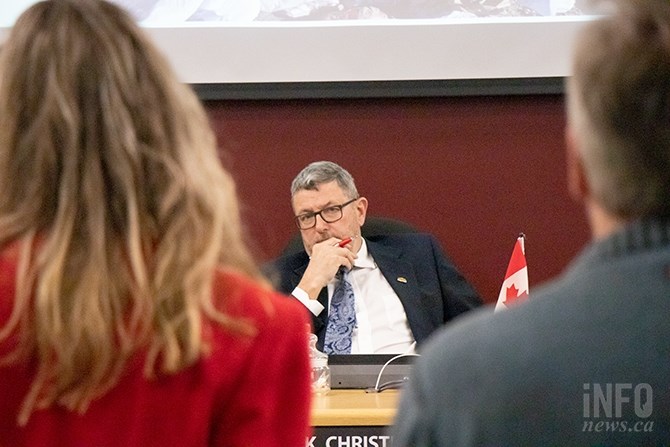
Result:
513,294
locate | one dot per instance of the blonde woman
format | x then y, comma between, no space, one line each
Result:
131,312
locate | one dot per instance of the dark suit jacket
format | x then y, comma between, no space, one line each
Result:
431,289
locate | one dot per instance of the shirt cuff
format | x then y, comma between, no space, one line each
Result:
313,305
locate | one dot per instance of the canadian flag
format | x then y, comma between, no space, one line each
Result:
515,286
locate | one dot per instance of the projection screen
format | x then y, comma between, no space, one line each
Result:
289,46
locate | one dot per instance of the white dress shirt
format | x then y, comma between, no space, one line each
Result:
381,322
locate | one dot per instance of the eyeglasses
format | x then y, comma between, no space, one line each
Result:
329,215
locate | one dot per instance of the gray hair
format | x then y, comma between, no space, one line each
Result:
619,107
320,172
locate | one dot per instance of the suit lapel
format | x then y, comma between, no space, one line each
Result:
401,275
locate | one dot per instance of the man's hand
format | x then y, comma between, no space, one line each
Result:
327,257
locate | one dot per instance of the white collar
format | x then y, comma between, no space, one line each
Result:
364,259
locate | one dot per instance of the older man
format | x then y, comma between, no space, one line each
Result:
399,288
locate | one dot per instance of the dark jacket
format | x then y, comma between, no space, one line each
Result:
431,289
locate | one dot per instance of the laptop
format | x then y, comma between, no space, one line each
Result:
362,371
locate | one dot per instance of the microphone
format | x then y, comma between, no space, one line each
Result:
392,384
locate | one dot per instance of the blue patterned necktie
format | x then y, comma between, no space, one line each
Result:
341,317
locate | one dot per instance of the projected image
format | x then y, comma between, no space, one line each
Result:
173,11
272,42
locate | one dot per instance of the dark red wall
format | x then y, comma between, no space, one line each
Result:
474,171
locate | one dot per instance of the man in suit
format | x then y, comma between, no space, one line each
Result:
404,286
586,359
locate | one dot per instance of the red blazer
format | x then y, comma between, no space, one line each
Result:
247,392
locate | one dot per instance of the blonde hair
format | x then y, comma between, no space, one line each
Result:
113,189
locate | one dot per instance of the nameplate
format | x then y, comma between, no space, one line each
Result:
351,436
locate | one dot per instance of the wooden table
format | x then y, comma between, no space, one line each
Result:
354,407
355,415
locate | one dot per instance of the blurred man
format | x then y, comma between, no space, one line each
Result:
586,360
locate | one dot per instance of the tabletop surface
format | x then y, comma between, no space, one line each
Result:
354,407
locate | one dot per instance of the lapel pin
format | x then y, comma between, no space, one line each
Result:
402,279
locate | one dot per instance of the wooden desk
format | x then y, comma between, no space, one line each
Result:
354,407
353,418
